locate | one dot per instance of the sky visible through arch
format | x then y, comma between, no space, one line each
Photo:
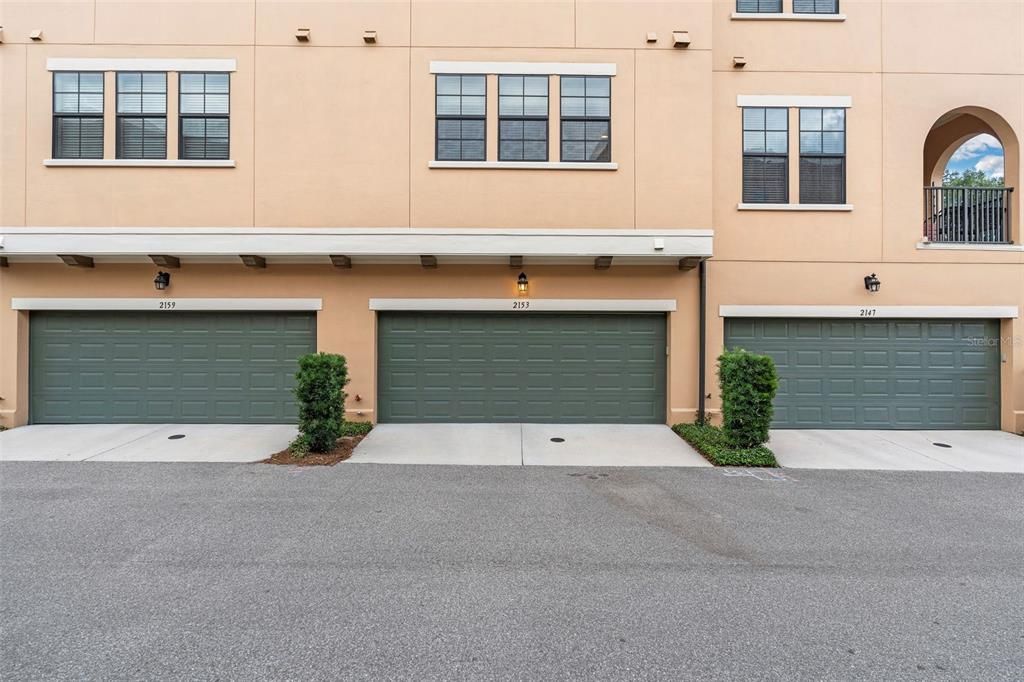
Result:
982,152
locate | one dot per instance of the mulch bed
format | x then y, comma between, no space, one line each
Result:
342,451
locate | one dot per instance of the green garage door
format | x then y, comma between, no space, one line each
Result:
161,367
879,374
495,367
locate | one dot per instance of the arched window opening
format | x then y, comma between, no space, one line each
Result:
968,155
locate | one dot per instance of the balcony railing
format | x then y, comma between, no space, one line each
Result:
967,215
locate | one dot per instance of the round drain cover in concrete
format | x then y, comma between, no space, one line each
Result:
557,440
176,436
942,445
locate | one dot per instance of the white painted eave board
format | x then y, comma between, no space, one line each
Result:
355,242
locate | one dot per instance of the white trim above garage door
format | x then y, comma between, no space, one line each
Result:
167,304
537,305
882,311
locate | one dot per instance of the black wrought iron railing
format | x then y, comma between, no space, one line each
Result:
967,215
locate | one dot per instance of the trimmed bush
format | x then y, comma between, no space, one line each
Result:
712,442
356,428
748,383
319,388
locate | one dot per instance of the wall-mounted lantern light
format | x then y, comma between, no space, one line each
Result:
523,284
872,283
162,280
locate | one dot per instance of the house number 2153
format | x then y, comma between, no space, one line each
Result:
520,305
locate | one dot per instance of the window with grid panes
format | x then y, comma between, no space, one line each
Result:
822,156
77,115
204,115
141,115
585,103
765,155
461,117
522,118
759,6
816,6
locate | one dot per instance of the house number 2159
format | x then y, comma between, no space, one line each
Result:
166,305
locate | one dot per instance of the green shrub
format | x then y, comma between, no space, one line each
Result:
748,383
319,388
356,428
712,442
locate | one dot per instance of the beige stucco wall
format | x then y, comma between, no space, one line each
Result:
346,324
338,133
912,284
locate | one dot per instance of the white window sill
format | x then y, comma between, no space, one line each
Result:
796,207
141,163
786,16
942,246
528,165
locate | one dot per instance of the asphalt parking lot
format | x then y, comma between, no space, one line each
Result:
219,571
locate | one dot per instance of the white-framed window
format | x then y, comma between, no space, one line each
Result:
460,117
77,115
141,115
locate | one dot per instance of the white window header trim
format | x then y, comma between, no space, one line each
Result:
525,305
107,64
168,304
525,68
823,102
870,312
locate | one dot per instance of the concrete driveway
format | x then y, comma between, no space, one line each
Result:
617,445
994,451
144,442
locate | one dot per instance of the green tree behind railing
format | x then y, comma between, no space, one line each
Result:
970,178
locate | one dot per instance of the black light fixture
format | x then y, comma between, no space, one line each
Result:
523,284
162,280
872,283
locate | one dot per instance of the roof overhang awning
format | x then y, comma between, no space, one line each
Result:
353,246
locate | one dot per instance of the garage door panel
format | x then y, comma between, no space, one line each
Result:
526,367
160,367
842,414
908,359
809,415
841,387
877,416
941,331
975,359
875,359
907,330
880,373
976,417
875,330
910,388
